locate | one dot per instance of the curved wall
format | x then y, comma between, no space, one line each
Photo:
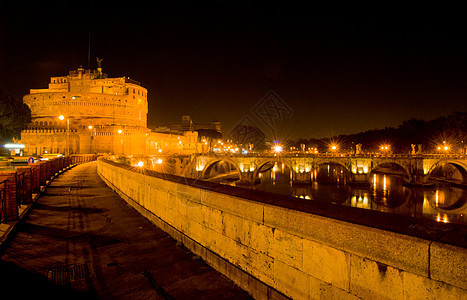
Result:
273,245
87,108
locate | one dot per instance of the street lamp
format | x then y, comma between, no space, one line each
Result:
121,139
334,147
93,133
385,148
61,118
278,148
444,147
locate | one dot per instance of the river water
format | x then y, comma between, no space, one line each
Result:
385,192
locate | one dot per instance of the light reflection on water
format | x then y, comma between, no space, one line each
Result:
385,192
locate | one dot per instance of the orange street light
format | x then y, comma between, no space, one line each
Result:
61,118
278,148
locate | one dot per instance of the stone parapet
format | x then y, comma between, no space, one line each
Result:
277,246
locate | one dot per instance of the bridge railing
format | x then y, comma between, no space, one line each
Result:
3,200
18,184
347,155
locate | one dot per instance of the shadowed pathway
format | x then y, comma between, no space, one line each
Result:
82,240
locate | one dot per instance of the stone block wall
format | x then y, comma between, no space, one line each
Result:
277,251
9,208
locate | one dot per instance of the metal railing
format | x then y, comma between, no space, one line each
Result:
3,185
20,190
27,182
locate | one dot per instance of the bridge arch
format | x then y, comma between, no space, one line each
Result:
213,162
407,173
462,168
264,162
331,162
347,175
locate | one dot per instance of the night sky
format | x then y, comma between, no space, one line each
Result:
339,73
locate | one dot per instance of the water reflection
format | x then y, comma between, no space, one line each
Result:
385,192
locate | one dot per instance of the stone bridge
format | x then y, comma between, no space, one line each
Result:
417,168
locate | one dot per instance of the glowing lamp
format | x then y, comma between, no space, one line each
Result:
278,149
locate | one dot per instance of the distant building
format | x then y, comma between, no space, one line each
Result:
87,112
188,125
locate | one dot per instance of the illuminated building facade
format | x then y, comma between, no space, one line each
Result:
87,112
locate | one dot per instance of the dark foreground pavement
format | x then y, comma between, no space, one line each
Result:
82,241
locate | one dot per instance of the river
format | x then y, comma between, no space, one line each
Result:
385,192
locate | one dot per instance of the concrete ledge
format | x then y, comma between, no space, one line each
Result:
402,251
255,287
448,264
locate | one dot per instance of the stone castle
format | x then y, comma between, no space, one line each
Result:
88,112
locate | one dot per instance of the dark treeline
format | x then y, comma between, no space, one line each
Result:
450,131
14,116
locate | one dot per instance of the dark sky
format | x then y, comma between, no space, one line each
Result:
338,72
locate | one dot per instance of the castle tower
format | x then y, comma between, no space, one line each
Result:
99,115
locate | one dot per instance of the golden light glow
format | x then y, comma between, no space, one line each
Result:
120,131
385,148
365,169
90,127
444,147
278,148
140,164
61,117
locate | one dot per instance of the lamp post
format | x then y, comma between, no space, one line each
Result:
386,149
93,134
121,138
62,117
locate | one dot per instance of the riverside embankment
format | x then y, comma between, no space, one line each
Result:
273,245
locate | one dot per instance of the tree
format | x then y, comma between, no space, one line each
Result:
14,116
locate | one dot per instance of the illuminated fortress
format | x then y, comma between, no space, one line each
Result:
87,112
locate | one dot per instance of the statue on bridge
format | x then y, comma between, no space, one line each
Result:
358,149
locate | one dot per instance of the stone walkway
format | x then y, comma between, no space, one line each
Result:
82,240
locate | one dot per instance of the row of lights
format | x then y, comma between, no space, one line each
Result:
383,148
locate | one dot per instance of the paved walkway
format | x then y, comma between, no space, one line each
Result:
82,240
